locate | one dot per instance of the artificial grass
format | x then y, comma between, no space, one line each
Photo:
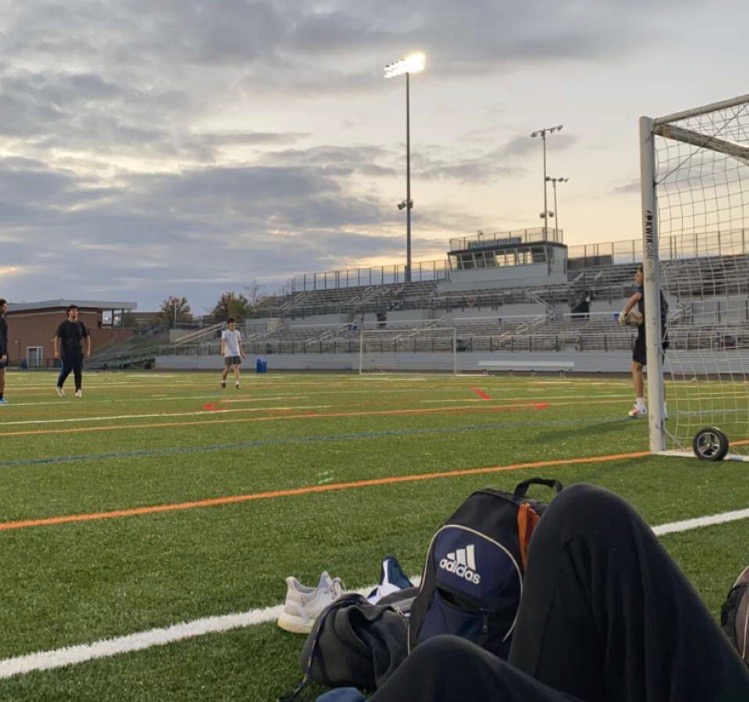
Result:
76,583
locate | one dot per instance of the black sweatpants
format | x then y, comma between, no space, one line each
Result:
606,615
70,364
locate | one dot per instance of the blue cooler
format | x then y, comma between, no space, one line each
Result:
261,366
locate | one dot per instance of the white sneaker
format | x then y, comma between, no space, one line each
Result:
60,391
304,604
638,412
79,393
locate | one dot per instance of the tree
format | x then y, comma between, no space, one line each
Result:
174,310
253,294
231,304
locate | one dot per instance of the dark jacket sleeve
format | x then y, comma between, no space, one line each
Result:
3,336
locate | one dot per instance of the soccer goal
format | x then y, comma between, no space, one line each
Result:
695,210
420,349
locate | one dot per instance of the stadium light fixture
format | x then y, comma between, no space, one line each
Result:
554,182
413,63
542,133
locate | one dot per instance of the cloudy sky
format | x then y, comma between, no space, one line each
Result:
186,147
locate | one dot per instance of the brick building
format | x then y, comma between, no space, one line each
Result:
32,325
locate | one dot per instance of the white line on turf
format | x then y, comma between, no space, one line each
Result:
106,648
165,415
164,398
713,520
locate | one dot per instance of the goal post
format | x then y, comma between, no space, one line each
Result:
414,349
694,169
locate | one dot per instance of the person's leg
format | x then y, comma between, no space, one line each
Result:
638,382
2,380
451,669
607,615
639,360
236,373
65,368
224,373
78,373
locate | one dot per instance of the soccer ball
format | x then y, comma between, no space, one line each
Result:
633,318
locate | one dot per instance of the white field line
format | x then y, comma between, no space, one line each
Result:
163,398
106,648
699,522
164,415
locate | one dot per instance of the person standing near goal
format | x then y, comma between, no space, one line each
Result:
639,353
232,351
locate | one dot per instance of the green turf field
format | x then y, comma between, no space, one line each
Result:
113,517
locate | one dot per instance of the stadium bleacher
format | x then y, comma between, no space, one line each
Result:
536,317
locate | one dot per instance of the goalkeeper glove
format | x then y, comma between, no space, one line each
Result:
622,318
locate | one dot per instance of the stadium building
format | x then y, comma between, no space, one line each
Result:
32,326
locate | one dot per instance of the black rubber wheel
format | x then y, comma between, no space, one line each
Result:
710,444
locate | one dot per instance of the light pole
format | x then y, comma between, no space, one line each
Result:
554,182
413,63
542,133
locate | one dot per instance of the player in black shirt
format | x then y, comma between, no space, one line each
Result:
68,345
639,353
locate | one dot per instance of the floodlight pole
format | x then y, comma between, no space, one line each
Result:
546,207
542,133
413,63
409,204
554,182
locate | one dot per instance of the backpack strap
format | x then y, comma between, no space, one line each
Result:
521,490
527,520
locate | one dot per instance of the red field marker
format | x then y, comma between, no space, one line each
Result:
481,393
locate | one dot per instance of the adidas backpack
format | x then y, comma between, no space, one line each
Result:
473,575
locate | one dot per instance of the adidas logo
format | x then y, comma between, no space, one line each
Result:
462,562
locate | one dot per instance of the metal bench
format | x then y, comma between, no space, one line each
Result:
528,366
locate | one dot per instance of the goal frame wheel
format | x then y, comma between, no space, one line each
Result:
710,444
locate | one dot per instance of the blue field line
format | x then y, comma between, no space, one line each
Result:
145,453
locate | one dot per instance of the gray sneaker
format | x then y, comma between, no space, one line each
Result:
60,391
304,603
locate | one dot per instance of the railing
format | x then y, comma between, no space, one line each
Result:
516,236
377,275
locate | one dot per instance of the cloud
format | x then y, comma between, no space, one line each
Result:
146,145
480,166
633,186
160,48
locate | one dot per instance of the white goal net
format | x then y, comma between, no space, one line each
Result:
395,349
695,187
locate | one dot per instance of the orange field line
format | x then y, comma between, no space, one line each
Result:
375,482
320,415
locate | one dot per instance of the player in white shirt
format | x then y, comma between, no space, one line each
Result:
231,350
